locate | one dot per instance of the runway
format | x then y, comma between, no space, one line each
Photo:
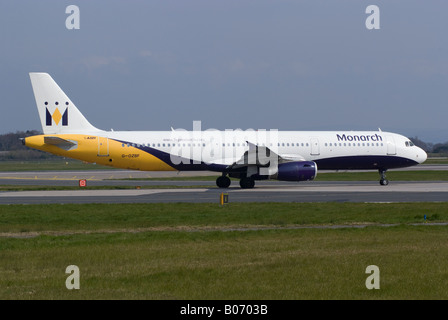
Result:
206,191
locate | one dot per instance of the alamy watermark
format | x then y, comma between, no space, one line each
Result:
72,281
73,20
373,20
231,146
373,281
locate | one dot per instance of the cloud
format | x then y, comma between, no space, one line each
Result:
145,53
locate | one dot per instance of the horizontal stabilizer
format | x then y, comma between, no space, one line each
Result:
61,143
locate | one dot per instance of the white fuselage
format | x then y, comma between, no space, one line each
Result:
329,149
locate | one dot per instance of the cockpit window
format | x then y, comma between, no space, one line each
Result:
409,143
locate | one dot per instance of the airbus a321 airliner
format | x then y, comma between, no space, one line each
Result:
247,155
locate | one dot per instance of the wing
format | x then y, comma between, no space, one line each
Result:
261,157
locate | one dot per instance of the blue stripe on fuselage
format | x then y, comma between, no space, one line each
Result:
363,163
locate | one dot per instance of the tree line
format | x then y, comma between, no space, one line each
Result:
11,147
439,148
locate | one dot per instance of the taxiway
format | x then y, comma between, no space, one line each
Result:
206,191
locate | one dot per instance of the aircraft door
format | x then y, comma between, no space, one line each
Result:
391,147
103,147
315,147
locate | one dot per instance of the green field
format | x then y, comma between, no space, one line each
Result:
49,165
421,175
239,251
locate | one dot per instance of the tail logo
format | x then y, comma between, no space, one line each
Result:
56,116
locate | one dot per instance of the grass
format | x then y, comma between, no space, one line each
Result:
197,251
244,251
58,164
437,159
285,264
124,187
423,175
91,217
275,264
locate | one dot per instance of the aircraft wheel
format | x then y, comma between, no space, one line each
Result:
383,180
223,182
247,183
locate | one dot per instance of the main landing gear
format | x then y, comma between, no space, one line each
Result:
245,182
383,180
223,182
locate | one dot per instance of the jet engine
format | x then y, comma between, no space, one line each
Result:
296,171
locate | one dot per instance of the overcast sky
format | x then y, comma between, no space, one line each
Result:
287,65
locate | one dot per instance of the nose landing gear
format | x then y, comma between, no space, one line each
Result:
383,180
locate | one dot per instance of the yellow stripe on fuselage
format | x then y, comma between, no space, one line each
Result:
101,150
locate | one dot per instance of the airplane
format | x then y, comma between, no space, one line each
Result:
248,155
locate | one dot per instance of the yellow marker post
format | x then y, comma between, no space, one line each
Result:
224,198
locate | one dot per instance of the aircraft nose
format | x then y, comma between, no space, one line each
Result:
421,156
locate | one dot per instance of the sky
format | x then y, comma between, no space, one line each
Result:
247,64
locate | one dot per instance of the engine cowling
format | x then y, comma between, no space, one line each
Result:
296,171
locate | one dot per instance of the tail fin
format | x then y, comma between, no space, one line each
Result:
58,114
